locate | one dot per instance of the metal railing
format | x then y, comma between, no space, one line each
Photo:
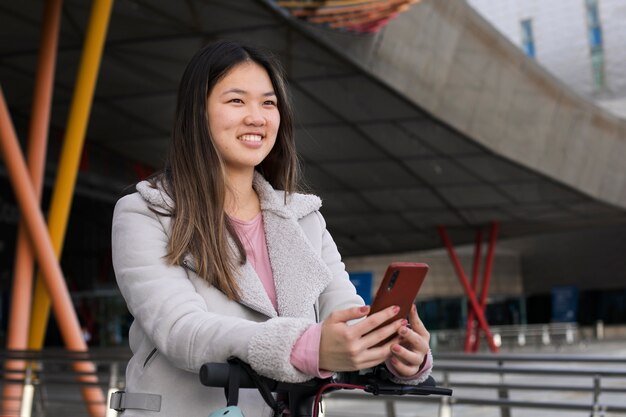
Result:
500,381
512,336
50,387
531,381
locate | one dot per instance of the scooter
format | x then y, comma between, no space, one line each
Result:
302,399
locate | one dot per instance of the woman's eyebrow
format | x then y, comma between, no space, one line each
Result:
240,91
234,90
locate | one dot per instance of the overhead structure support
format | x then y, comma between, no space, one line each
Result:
69,162
475,306
19,314
46,258
470,334
484,291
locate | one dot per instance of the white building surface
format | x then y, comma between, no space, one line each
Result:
580,41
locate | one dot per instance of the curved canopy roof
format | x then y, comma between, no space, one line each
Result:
387,170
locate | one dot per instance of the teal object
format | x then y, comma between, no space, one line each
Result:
230,411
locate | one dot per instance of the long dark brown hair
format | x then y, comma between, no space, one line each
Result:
193,174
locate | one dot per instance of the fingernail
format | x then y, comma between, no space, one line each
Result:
396,309
364,309
404,322
395,348
403,331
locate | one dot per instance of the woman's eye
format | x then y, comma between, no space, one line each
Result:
235,100
270,103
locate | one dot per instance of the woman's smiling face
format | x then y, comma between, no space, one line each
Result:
243,116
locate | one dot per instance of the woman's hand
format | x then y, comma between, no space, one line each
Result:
410,353
346,347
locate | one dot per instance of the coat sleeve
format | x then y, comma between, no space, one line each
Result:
340,292
166,306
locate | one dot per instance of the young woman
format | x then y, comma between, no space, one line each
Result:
219,256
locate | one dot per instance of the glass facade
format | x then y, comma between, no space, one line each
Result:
594,30
528,40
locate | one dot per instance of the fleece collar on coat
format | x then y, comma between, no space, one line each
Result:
300,274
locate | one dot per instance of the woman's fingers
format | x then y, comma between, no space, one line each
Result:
373,356
375,320
343,347
405,361
410,353
343,316
381,334
413,341
416,323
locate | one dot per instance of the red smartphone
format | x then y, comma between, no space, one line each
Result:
400,285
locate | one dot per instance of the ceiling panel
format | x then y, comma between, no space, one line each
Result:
540,191
493,168
403,199
358,99
334,143
440,138
441,171
398,142
473,196
310,110
376,174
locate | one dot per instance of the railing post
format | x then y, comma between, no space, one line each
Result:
545,335
390,408
596,409
569,334
599,330
26,407
445,407
113,387
503,394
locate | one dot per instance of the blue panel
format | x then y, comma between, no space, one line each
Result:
528,40
564,304
595,37
362,281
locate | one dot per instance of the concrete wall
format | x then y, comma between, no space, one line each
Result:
442,281
562,41
588,259
446,58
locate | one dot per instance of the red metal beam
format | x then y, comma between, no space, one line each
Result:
491,250
468,290
470,334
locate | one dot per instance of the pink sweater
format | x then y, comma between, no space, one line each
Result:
305,353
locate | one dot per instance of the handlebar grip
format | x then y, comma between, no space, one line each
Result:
216,375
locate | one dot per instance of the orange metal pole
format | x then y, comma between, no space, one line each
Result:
46,258
69,161
19,315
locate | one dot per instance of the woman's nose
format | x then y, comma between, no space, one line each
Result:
255,118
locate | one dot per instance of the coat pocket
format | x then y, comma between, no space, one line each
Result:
151,356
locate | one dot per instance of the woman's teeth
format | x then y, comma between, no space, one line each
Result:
251,138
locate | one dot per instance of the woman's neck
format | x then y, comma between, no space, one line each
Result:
242,202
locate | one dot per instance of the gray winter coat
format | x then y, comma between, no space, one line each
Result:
181,322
